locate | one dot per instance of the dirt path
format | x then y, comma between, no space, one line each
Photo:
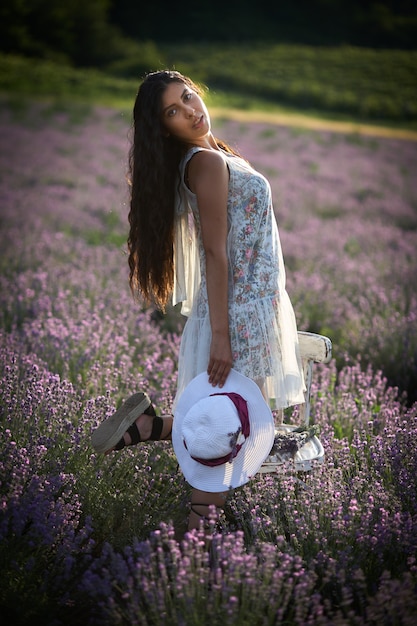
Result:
304,121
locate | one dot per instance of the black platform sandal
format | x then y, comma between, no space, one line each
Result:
135,436
202,516
109,433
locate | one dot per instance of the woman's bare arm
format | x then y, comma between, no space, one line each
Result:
209,178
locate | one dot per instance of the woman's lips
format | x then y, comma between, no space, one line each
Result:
198,122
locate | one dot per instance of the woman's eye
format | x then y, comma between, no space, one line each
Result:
171,112
188,96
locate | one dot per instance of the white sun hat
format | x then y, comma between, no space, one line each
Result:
221,436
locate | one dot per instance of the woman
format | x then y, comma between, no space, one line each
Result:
203,232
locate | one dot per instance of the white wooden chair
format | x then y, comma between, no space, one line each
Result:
314,348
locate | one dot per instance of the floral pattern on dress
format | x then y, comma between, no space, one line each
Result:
260,313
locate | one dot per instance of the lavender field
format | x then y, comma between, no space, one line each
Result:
101,541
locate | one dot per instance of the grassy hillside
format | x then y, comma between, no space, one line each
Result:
374,86
363,83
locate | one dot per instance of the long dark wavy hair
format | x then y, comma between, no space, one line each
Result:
154,160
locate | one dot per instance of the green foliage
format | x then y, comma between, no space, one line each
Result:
74,31
342,83
136,60
35,77
364,83
385,23
93,32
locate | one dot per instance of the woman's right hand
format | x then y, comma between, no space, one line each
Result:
220,360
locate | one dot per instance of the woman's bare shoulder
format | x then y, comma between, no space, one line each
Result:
206,163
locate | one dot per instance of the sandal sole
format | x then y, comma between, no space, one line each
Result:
109,433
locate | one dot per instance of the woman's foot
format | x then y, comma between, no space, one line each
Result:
206,508
147,427
115,431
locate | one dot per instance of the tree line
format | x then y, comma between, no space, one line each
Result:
382,23
100,32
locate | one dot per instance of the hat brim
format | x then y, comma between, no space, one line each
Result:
253,452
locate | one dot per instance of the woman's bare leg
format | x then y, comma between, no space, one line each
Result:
144,424
200,506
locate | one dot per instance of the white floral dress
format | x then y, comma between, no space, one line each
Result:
262,324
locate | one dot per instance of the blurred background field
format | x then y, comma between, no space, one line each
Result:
100,541
329,58
345,83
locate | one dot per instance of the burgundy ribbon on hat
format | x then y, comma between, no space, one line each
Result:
242,411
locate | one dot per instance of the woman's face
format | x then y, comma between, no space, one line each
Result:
184,114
